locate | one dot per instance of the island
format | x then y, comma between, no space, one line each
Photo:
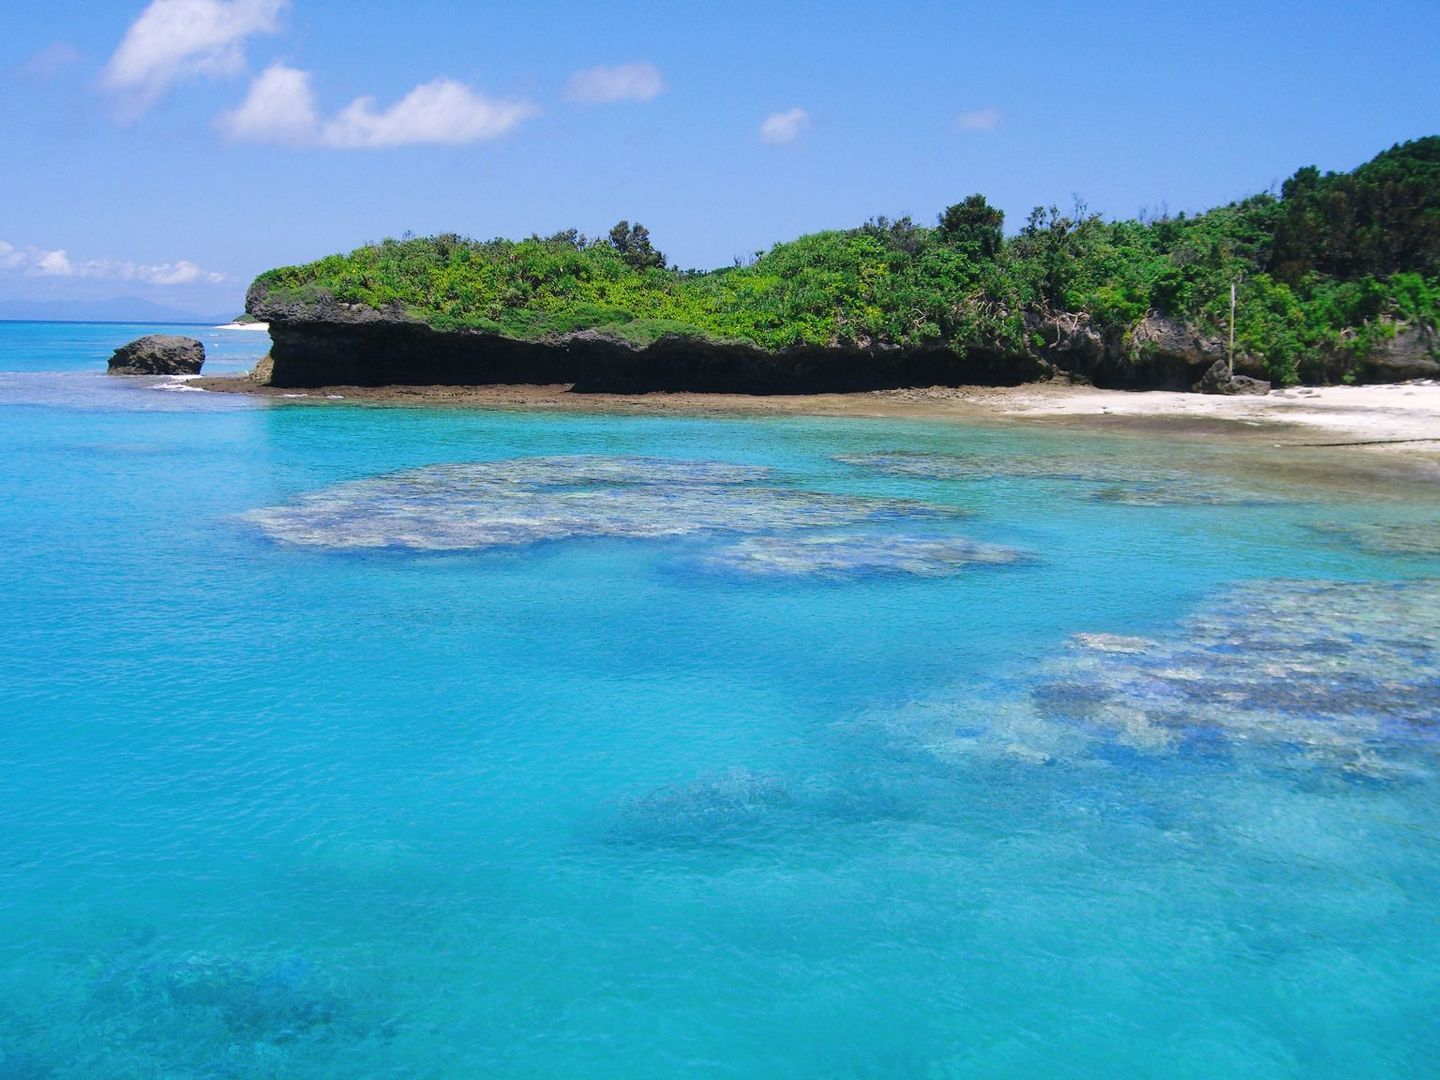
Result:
1336,279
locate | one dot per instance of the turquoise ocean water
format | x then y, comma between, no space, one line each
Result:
342,741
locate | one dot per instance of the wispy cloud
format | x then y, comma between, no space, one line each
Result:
280,108
173,40
40,262
977,120
640,81
784,127
51,61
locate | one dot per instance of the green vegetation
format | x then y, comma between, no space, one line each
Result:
1326,269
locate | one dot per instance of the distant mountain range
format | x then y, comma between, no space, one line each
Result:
118,309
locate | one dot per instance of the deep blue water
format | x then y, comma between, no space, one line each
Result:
349,741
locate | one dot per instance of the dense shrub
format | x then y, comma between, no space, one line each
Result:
1325,269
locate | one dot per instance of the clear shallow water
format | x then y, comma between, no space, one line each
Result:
294,789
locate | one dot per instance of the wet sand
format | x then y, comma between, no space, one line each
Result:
1390,431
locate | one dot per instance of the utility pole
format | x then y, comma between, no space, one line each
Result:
1232,330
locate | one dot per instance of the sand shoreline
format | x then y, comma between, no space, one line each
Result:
1399,414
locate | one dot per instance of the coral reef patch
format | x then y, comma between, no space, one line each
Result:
1392,538
841,554
529,500
1344,676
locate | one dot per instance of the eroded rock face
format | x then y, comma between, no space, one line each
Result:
1218,380
1163,354
1159,353
159,354
1413,353
319,341
1070,342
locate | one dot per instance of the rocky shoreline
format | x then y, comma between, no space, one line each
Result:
322,342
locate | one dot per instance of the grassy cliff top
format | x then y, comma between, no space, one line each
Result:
1332,262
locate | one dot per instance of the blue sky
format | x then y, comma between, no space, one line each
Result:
174,149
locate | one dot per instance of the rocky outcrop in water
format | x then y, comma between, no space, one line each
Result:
159,354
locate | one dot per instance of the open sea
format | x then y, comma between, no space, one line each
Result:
350,741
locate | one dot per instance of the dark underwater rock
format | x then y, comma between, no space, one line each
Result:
1178,493
729,805
1395,538
159,354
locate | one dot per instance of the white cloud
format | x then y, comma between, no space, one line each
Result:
280,108
986,119
53,264
39,262
179,39
35,262
440,111
177,273
784,127
624,82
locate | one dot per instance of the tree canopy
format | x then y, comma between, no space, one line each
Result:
1332,263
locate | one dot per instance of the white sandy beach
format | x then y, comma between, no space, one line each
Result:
262,326
1392,413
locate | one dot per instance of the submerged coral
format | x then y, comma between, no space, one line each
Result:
926,465
1346,675
528,500
148,1011
1393,538
727,805
1147,487
737,805
851,553
1182,492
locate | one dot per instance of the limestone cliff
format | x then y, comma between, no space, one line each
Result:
319,342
